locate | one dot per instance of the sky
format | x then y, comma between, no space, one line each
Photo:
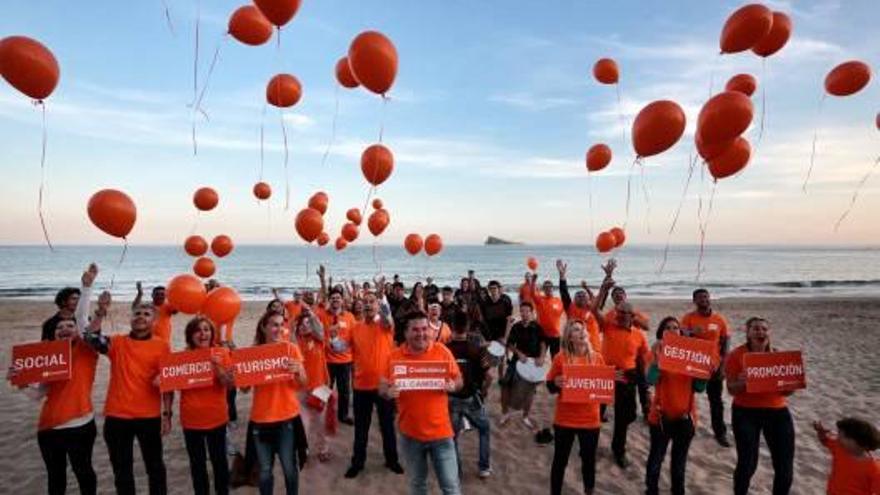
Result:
489,120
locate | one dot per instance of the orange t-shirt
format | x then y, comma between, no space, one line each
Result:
673,398
711,327
550,311
733,366
71,399
314,361
345,322
525,293
134,365
444,334
424,414
293,310
569,414
638,316
205,408
851,475
584,314
162,323
620,346
371,344
274,402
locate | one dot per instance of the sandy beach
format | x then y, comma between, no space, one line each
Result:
838,338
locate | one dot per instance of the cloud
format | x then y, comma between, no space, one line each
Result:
532,101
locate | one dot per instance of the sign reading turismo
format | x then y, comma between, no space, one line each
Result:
696,358
774,371
262,364
186,369
39,362
420,375
588,383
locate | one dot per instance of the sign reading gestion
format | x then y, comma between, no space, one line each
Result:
261,364
689,356
40,362
588,383
774,371
420,375
186,369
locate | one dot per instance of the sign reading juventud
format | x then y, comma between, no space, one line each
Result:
689,356
588,383
262,364
41,362
420,375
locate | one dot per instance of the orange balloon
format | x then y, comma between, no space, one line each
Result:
309,224
323,239
657,127
204,267
378,221
433,244
619,236
744,83
734,159
413,244
724,117
605,71
319,201
377,204
205,199
195,245
249,26
605,242
710,151
377,163
283,90
847,78
222,305
262,190
186,293
532,263
28,66
745,28
598,157
279,12
354,215
112,211
780,32
373,61
340,243
350,232
344,75
221,245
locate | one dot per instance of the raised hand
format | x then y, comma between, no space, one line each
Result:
609,267
321,271
562,268
88,276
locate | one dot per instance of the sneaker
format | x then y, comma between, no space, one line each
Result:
621,461
528,422
353,471
347,421
466,425
722,440
485,473
394,467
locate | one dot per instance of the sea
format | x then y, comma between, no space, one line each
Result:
36,272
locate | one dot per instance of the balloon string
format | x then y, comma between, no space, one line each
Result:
119,265
644,183
703,227
286,159
815,138
195,77
855,195
168,17
201,97
333,128
628,190
262,140
590,195
382,117
620,114
43,146
195,222
367,201
763,98
687,183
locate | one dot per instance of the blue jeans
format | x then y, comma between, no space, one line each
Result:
271,439
473,409
442,452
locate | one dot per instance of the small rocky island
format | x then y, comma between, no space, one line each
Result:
494,241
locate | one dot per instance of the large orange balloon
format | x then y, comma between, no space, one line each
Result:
205,199
745,28
433,244
605,71
323,239
195,245
847,78
619,236
711,150
532,263
319,201
354,215
377,163
413,244
724,117
373,61
309,224
283,90
734,159
221,245
350,232
204,267
744,83
262,190
657,127
186,293
222,305
249,26
340,243
279,12
780,32
378,221
605,242
28,66
344,75
112,211
598,157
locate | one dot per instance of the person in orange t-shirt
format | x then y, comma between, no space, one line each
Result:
574,420
442,332
311,340
425,428
164,311
579,309
550,310
854,470
756,413
338,325
525,291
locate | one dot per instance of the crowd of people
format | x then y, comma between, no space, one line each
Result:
344,338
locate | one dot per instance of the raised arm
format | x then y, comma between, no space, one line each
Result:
608,268
595,306
82,307
562,268
140,295
322,276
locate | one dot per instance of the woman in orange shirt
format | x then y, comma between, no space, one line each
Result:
310,337
204,412
572,420
854,471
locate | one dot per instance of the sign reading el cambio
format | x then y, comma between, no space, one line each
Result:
186,369
39,362
689,356
420,375
588,383
262,364
774,371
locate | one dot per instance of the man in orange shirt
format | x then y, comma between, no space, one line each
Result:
425,428
338,324
704,323
550,310
580,309
164,311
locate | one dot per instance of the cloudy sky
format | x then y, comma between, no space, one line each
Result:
489,120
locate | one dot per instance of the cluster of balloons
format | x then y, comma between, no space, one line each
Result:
187,294
206,199
757,28
371,62
309,221
379,219
610,239
432,244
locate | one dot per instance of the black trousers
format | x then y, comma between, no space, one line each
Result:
57,446
552,345
643,388
119,434
714,390
588,440
340,376
215,440
680,432
778,429
364,401
624,414
231,394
